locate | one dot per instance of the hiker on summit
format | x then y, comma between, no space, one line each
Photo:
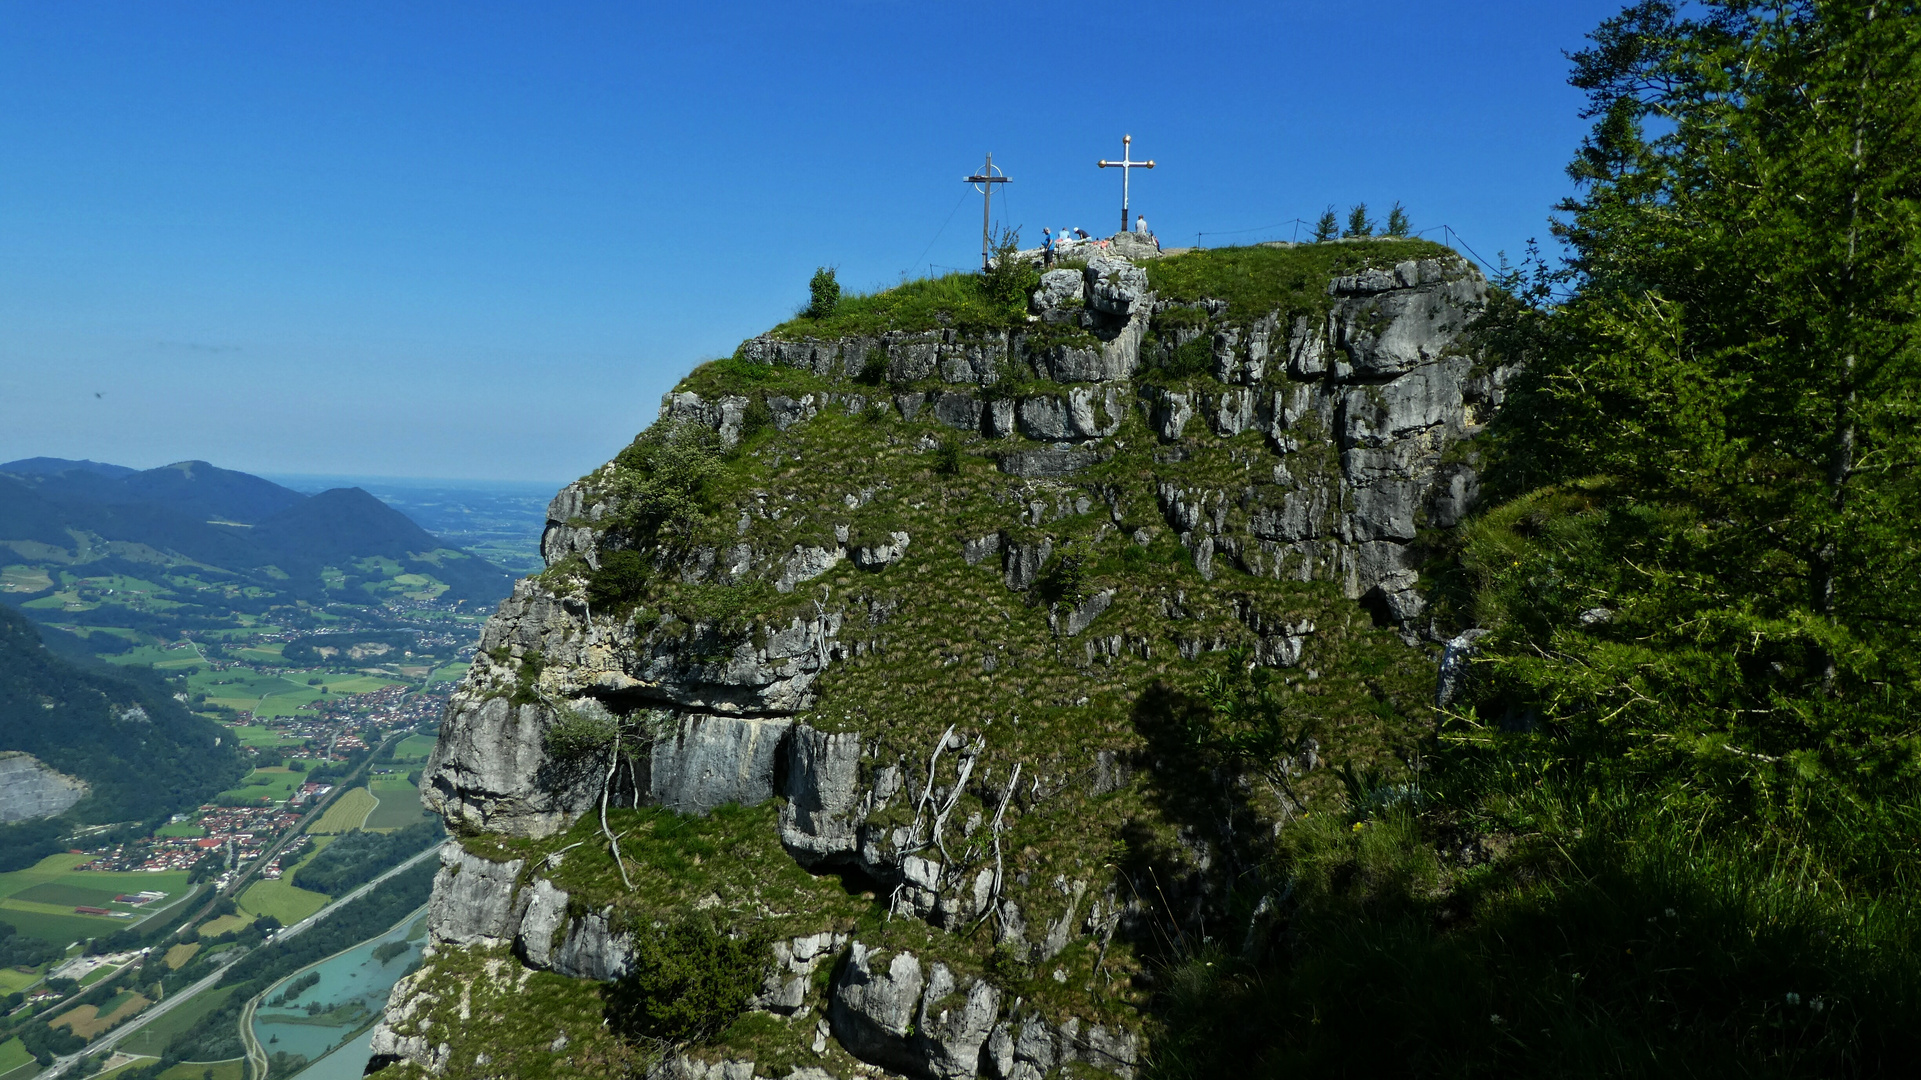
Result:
1140,229
1047,248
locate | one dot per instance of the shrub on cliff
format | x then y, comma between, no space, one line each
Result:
660,478
824,293
1008,280
690,979
619,580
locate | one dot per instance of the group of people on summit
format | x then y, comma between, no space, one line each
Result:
1051,243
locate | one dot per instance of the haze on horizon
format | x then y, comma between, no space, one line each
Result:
436,240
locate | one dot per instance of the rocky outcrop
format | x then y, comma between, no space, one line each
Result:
886,1012
490,769
29,789
709,761
1294,448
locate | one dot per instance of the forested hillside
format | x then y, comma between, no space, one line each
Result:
141,754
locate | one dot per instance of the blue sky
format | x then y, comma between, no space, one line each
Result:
480,240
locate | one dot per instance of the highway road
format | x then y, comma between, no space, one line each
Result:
111,1039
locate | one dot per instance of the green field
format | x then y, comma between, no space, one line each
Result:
346,813
279,693
215,927
281,898
67,894
165,658
12,1056
253,735
40,899
152,1039
275,782
22,578
265,653
399,805
78,593
186,829
414,748
12,979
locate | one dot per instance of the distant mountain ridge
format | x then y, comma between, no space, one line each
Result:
232,521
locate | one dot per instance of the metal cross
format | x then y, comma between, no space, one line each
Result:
1125,165
984,182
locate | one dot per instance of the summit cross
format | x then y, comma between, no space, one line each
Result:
984,182
1126,165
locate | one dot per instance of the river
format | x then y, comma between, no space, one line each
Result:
330,1021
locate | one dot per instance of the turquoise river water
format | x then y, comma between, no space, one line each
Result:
329,1022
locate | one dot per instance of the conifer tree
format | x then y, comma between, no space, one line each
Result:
1358,223
1328,227
1722,417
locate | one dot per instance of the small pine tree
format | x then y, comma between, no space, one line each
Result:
1397,222
824,292
1357,222
1327,227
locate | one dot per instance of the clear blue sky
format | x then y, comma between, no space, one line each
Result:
480,240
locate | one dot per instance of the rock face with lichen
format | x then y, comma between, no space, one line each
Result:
909,698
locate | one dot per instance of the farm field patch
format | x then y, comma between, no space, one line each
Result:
66,894
276,782
281,898
26,579
163,657
39,900
213,928
153,1038
348,812
399,805
254,735
88,1021
12,979
59,929
414,748
12,1056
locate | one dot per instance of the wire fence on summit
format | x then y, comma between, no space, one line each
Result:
1450,236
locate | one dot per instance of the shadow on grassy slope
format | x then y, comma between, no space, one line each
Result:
1623,943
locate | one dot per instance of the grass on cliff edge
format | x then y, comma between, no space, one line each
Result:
955,300
1253,280
1259,279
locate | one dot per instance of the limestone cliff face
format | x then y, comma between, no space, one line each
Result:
942,681
28,789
